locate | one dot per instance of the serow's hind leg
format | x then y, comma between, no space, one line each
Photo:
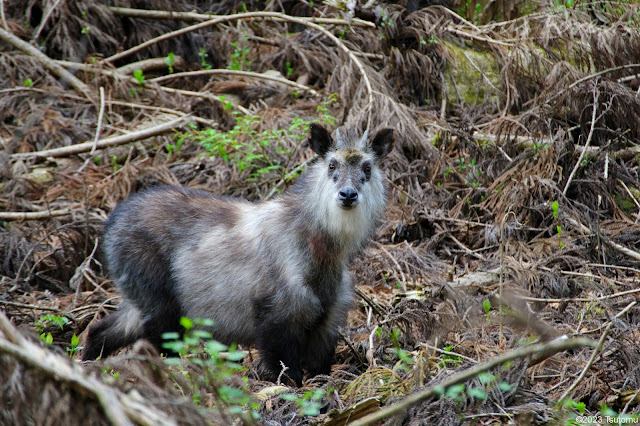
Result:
116,330
156,325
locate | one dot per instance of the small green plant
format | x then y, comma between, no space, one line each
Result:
111,371
259,152
405,360
217,363
310,402
487,381
448,359
46,320
74,346
28,82
170,60
138,75
175,147
240,56
554,209
486,305
202,53
323,110
289,68
114,163
47,338
85,30
564,4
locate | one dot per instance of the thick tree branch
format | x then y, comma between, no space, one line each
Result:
47,62
553,347
106,143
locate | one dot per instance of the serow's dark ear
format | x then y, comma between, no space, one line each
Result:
382,142
319,139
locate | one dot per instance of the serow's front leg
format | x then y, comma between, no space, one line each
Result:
279,344
278,341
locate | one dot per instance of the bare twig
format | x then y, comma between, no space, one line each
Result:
150,65
442,351
44,20
99,126
47,62
46,214
36,307
579,299
554,346
235,72
404,279
199,17
590,77
593,123
3,18
105,143
622,249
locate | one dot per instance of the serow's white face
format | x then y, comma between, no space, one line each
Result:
351,162
350,172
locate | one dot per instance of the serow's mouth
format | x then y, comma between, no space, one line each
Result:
347,205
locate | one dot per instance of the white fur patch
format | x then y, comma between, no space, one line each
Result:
131,320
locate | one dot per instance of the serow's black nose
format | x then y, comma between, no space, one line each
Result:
348,197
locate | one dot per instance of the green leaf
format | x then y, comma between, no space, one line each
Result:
289,396
186,323
138,75
477,393
171,335
505,387
215,347
454,391
486,305
486,378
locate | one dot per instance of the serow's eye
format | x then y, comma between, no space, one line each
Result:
367,168
332,167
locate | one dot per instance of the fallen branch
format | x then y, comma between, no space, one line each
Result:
105,143
199,17
622,249
36,307
552,347
234,72
150,64
45,214
117,406
47,62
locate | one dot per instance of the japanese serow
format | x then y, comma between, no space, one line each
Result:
272,273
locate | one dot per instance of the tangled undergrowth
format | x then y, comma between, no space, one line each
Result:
511,234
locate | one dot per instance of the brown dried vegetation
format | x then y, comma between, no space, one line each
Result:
512,216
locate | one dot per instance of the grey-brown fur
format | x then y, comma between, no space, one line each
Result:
272,274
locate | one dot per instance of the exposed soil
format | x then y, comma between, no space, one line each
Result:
513,210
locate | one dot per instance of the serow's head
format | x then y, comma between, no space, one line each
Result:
351,162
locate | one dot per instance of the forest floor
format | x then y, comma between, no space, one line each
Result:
502,284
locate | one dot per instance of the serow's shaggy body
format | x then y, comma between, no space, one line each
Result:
273,273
